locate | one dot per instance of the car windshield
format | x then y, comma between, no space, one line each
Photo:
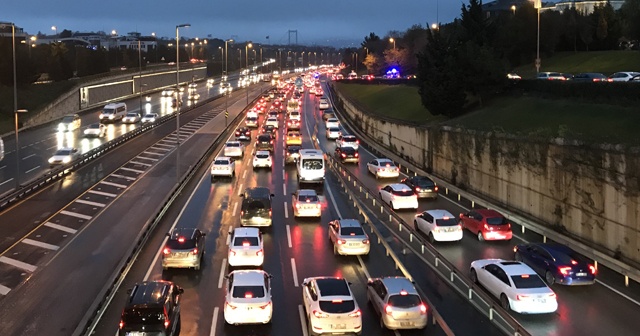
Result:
402,192
497,221
233,144
262,155
221,162
293,150
107,111
245,241
423,183
337,306
132,114
264,138
177,244
446,222
348,150
528,281
334,129
94,126
256,204
312,164
352,231
63,152
143,315
404,301
307,198
248,292
349,139
67,119
149,115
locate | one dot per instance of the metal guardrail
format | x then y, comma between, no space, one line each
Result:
598,256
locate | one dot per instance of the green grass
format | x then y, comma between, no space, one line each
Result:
532,116
400,102
606,62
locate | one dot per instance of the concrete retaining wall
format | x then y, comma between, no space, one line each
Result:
591,194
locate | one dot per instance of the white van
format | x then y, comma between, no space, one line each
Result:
311,166
112,112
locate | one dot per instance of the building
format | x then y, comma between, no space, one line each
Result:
581,6
497,7
5,31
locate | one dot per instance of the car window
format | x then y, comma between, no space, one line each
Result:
423,183
307,198
403,192
500,274
248,292
528,281
337,306
143,315
497,221
404,301
428,217
221,162
262,155
351,231
446,222
314,164
186,244
233,144
246,241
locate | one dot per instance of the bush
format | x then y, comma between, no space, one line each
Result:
616,92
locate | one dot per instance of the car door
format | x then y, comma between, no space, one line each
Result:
385,194
380,293
476,222
333,231
372,166
503,285
491,281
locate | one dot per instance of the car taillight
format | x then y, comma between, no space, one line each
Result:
423,308
241,213
269,212
593,269
341,241
271,142
319,314
356,313
166,251
230,306
265,306
521,297
417,188
259,253
232,252
121,324
365,241
486,227
344,155
435,188
388,309
564,270
194,251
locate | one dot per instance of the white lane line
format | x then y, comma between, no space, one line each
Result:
52,147
40,244
286,210
18,264
283,177
618,292
294,271
244,174
163,149
28,156
113,184
240,190
284,189
32,169
141,163
364,268
235,208
3,167
222,269
153,153
161,144
60,227
102,205
124,177
133,170
289,235
7,181
147,158
75,214
303,320
4,290
333,201
102,193
214,322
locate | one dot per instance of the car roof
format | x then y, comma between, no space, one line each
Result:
263,152
223,158
488,213
439,214
385,160
514,267
233,142
399,186
554,249
347,149
349,223
246,232
258,192
330,286
149,293
395,285
183,232
248,277
307,192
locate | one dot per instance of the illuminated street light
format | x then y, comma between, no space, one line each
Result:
392,40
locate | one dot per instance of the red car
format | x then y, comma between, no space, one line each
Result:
486,224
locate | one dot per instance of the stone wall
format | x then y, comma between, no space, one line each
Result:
589,193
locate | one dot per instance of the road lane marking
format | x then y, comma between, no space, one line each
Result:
284,189
52,147
141,163
222,269
32,169
364,268
147,158
102,193
286,210
235,208
133,170
28,156
289,235
4,290
244,174
18,264
294,271
102,205
113,184
124,177
240,190
303,320
75,214
60,227
7,181
283,177
3,167
214,322
40,244
618,292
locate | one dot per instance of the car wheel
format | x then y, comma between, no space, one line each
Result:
391,205
504,302
480,236
473,275
549,278
415,226
432,239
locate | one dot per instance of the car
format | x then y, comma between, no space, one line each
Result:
149,118
332,122
271,121
399,196
256,207
330,306
248,297
210,82
233,149
397,302
623,76
184,249
293,124
251,121
306,203
192,87
324,104
131,118
69,123
347,154
293,138
328,114
262,159
95,130
63,156
348,140
333,133
264,142
169,92
486,224
246,247
422,186
225,88
550,76
515,284
194,96
269,129
438,225
348,237
151,307
223,166
273,114
591,77
292,154
295,115
383,168
513,76
243,134
557,264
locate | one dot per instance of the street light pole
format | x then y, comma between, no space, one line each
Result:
226,56
140,73
538,4
246,53
178,102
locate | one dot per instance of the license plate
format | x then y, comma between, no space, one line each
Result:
180,254
581,274
135,333
541,300
338,326
353,244
428,190
407,324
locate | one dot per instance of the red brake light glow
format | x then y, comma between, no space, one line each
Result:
244,244
194,251
388,309
121,324
423,308
564,270
573,262
403,292
248,295
593,269
181,239
524,276
166,251
356,313
336,301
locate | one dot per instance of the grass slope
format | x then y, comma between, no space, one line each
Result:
606,62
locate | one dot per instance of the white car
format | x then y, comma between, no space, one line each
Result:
149,118
438,225
324,104
306,203
332,122
246,247
333,133
348,237
64,156
69,123
210,82
624,76
515,284
295,115
95,130
233,149
383,168
399,196
223,166
272,121
248,298
348,140
168,92
330,306
262,159
131,118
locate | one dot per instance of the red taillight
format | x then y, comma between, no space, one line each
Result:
265,306
230,306
436,188
341,241
356,313
259,253
365,241
423,308
486,227
269,212
232,252
241,213
388,309
417,188
194,251
520,297
319,314
564,270
593,269
344,155
166,251
271,142
357,155
121,324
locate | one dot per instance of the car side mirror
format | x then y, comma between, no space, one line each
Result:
461,215
226,277
180,290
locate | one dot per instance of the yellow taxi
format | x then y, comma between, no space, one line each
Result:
293,138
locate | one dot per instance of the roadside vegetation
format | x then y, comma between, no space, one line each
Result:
605,62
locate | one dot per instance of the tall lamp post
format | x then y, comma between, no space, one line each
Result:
537,4
178,102
55,32
392,40
226,56
246,54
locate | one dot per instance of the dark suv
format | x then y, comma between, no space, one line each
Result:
153,308
256,207
264,142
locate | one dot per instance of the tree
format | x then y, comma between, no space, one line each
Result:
59,67
630,17
373,63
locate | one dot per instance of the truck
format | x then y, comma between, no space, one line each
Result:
292,105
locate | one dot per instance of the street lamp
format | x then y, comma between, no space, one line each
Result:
32,43
513,9
392,40
537,4
226,57
178,103
55,30
246,53
221,60
434,26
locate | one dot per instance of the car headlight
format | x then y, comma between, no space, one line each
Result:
51,160
111,116
66,159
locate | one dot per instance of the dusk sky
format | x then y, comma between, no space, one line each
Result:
324,22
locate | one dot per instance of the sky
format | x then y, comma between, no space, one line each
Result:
337,23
